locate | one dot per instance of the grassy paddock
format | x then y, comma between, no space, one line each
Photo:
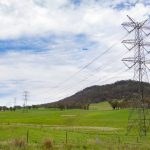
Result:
100,106
92,129
75,117
68,138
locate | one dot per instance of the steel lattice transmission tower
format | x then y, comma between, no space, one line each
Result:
139,117
26,94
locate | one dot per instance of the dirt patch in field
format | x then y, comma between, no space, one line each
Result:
88,128
68,115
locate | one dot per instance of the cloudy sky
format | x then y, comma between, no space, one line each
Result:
44,44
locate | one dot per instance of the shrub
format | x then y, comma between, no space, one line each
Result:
47,144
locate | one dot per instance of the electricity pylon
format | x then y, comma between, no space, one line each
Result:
138,118
26,93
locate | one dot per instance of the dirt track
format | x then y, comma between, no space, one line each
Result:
63,127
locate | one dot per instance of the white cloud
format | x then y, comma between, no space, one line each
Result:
38,73
59,17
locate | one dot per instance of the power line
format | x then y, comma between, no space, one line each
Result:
98,69
88,64
103,80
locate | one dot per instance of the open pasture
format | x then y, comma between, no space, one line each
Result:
74,129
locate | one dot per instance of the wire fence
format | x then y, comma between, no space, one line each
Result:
76,137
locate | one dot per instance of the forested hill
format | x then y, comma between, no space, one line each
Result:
121,90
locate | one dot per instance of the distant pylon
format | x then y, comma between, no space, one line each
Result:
25,95
139,117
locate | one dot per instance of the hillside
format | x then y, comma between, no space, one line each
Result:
120,90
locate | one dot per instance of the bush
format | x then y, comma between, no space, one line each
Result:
47,144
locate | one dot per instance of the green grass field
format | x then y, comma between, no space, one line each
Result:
94,129
100,106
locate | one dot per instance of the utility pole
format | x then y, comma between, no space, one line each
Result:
139,117
25,95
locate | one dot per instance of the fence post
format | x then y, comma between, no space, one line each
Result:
118,139
66,137
27,136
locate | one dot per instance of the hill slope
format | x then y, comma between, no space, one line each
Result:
121,90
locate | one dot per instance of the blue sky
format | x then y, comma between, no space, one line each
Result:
43,42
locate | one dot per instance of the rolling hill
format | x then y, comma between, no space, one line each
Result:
120,90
